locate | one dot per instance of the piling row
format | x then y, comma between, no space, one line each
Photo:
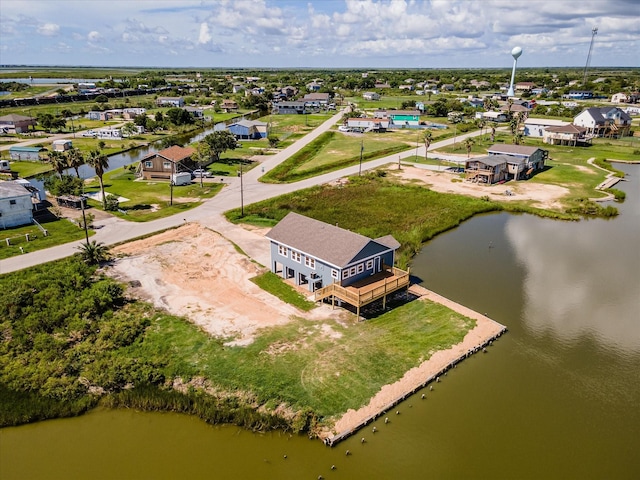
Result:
334,440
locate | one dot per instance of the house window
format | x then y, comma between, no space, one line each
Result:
345,274
335,274
148,164
352,271
12,202
295,256
370,264
360,268
166,165
284,251
310,262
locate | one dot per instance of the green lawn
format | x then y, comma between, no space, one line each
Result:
301,363
149,200
274,284
60,231
30,169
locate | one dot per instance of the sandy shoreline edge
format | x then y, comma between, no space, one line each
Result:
485,331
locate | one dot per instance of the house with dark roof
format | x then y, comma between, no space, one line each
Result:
291,107
14,123
167,162
566,135
333,262
521,160
604,121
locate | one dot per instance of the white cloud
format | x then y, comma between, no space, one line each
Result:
48,29
204,36
94,36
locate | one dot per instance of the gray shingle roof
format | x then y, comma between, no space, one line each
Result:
12,189
323,241
512,149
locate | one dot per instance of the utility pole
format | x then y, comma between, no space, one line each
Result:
361,150
241,192
594,32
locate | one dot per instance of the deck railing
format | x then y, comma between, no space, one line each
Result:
364,295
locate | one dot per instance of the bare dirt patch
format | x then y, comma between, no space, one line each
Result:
540,195
194,272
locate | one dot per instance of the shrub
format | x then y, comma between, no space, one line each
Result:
111,203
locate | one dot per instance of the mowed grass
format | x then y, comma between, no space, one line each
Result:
30,169
273,284
149,200
59,231
331,151
326,365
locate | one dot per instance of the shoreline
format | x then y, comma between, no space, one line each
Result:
485,331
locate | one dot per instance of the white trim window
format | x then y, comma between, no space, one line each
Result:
310,262
166,165
295,256
282,250
335,274
370,264
148,164
352,271
360,267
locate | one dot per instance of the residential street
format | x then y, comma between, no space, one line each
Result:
210,213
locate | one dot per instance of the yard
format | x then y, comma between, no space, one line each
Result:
149,200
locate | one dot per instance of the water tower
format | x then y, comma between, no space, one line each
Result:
515,53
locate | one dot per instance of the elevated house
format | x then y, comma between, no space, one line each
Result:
229,105
16,206
487,169
400,118
569,134
535,127
249,130
371,96
317,98
335,263
292,107
521,159
604,121
494,116
165,163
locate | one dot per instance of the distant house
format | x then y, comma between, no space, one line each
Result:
61,145
14,123
314,86
165,163
494,116
535,127
405,87
26,153
380,85
170,102
286,108
237,88
196,112
371,96
368,124
334,262
16,207
604,121
400,118
108,133
249,129
525,86
318,98
229,105
98,115
569,134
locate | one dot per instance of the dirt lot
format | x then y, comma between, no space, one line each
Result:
541,196
194,272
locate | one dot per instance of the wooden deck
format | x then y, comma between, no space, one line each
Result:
369,290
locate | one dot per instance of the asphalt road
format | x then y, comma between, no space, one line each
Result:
115,230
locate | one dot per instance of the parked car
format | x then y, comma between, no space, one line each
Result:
201,172
344,128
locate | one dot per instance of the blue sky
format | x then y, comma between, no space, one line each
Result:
318,33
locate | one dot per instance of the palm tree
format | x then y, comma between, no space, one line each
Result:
94,253
100,162
75,158
58,161
493,133
428,136
468,143
482,124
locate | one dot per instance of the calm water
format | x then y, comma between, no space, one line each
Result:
556,397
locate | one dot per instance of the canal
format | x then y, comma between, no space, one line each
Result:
556,397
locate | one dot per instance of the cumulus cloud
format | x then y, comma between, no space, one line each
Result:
205,35
94,36
48,29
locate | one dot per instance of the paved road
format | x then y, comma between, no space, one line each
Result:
210,213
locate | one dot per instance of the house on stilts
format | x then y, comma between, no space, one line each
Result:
335,263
